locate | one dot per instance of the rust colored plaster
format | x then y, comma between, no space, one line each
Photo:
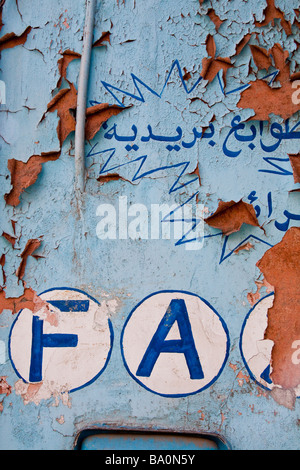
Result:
187,75
246,246
28,300
280,266
271,13
197,172
110,177
67,57
230,216
10,40
2,263
64,101
28,391
261,57
263,99
214,18
97,115
295,162
242,378
10,238
294,190
266,101
105,37
253,297
5,388
1,8
212,65
243,43
31,246
24,174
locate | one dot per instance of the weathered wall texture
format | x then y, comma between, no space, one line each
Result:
194,105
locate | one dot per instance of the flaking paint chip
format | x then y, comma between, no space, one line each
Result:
280,266
230,216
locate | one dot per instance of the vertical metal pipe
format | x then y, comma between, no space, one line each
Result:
82,96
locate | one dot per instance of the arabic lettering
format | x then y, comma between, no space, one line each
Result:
234,135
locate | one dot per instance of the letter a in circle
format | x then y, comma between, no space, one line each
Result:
176,312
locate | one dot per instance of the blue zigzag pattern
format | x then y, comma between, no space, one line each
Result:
142,159
193,220
223,256
139,174
138,82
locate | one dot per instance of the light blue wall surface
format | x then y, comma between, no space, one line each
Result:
146,39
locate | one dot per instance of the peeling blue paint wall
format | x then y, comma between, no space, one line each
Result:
148,40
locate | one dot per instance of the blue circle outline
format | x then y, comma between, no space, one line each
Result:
241,338
111,339
179,394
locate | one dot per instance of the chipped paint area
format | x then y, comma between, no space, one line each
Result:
281,267
34,393
189,105
52,362
230,216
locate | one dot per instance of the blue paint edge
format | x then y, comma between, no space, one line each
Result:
241,348
241,340
185,394
111,339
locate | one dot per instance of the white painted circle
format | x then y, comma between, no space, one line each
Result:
255,349
63,368
170,375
